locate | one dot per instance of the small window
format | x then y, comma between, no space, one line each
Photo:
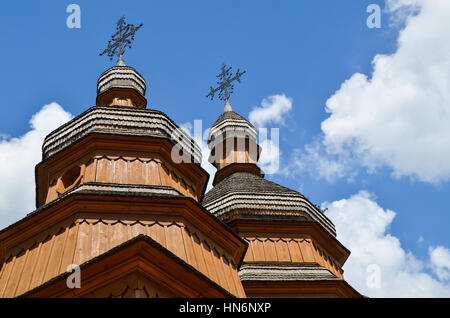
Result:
70,178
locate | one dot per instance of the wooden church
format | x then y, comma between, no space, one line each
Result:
112,201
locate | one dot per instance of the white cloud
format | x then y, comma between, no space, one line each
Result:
314,161
363,227
269,160
398,5
201,138
440,261
401,10
272,111
399,117
18,157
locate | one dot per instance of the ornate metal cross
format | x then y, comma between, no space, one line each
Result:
121,39
225,87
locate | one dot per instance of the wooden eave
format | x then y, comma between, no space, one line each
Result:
75,203
94,141
318,288
276,226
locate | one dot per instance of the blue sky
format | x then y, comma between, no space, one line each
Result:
302,49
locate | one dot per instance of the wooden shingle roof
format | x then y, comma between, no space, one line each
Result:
243,194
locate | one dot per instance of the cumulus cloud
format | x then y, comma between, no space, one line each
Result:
269,160
273,110
399,116
315,161
440,261
378,265
18,157
201,138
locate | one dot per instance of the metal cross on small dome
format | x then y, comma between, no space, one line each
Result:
225,87
121,39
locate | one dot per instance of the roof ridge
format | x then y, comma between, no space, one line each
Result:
230,114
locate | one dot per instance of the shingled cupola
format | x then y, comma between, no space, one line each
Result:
121,85
293,250
233,143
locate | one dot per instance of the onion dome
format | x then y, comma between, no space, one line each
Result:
233,142
121,85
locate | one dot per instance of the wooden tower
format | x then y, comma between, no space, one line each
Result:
111,200
293,250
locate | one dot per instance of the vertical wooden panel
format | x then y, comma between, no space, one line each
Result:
198,250
307,252
173,180
220,272
258,250
118,233
15,274
89,173
99,238
282,251
151,230
174,240
269,250
229,151
228,275
27,253
56,255
7,269
164,174
66,235
237,281
35,265
160,233
28,269
294,251
120,171
153,173
136,172
249,255
187,239
104,170
138,228
84,244
69,248
207,254
318,255
42,261
182,186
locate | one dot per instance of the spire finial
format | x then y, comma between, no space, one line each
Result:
225,87
120,61
227,107
121,40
